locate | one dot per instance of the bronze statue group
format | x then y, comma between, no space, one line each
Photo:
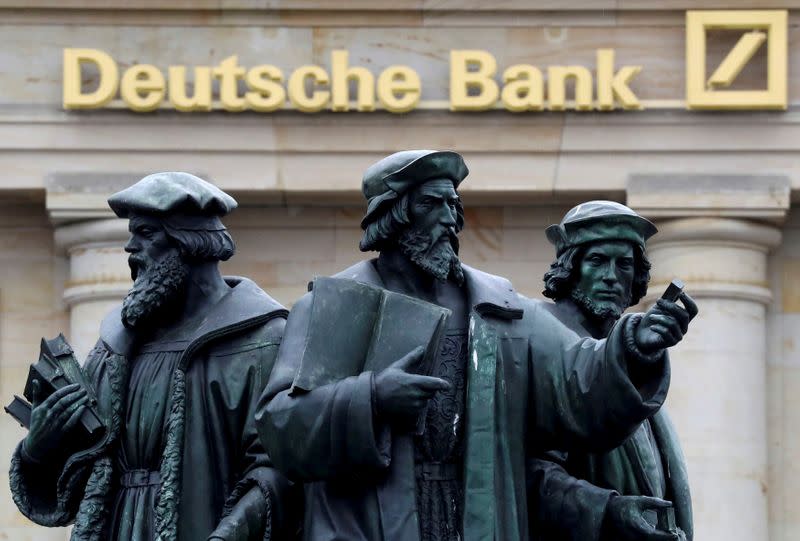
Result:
409,398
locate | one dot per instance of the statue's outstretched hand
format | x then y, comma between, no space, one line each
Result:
400,395
625,519
52,419
665,324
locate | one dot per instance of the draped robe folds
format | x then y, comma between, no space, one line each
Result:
530,383
214,471
570,491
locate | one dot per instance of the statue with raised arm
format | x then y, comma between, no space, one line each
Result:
434,447
176,373
601,269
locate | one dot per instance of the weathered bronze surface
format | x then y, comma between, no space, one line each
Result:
509,378
601,269
177,372
406,398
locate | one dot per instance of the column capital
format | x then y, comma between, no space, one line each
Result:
95,249
108,231
719,258
717,230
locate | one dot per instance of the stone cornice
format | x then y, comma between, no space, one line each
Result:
710,196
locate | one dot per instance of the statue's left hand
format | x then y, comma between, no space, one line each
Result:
665,324
625,520
247,520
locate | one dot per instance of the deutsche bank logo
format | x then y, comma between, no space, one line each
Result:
760,29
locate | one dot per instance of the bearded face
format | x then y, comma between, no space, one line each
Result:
437,256
157,293
430,241
159,274
604,285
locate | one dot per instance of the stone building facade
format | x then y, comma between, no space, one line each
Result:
720,185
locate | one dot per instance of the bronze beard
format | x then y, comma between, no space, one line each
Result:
157,293
599,311
438,257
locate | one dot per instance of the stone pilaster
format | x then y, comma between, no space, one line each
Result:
99,275
715,233
718,396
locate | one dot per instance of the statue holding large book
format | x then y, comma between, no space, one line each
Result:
410,389
155,438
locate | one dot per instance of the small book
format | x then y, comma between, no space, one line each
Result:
356,327
20,410
57,368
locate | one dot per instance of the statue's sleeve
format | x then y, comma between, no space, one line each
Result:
326,432
562,506
263,504
590,395
45,492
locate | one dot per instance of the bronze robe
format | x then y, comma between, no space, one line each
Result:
569,492
212,454
530,381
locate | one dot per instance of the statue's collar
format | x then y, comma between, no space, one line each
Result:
492,295
245,302
489,295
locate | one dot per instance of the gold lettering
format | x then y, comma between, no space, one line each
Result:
612,85
399,89
463,80
229,72
297,89
341,74
557,82
266,93
107,73
523,89
201,96
142,88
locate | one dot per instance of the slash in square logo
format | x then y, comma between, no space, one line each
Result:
760,29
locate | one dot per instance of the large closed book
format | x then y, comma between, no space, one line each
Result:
405,323
356,327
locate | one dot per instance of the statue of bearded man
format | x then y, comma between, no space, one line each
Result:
501,383
600,270
177,372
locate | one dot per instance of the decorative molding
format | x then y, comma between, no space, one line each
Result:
715,231
715,290
101,291
92,232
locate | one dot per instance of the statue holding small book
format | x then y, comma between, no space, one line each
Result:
410,389
170,390
639,490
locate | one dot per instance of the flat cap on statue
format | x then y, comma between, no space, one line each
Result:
394,175
172,193
599,220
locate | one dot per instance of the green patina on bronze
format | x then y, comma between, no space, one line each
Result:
575,496
178,370
521,381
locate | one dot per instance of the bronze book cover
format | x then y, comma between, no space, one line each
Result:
382,326
57,368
